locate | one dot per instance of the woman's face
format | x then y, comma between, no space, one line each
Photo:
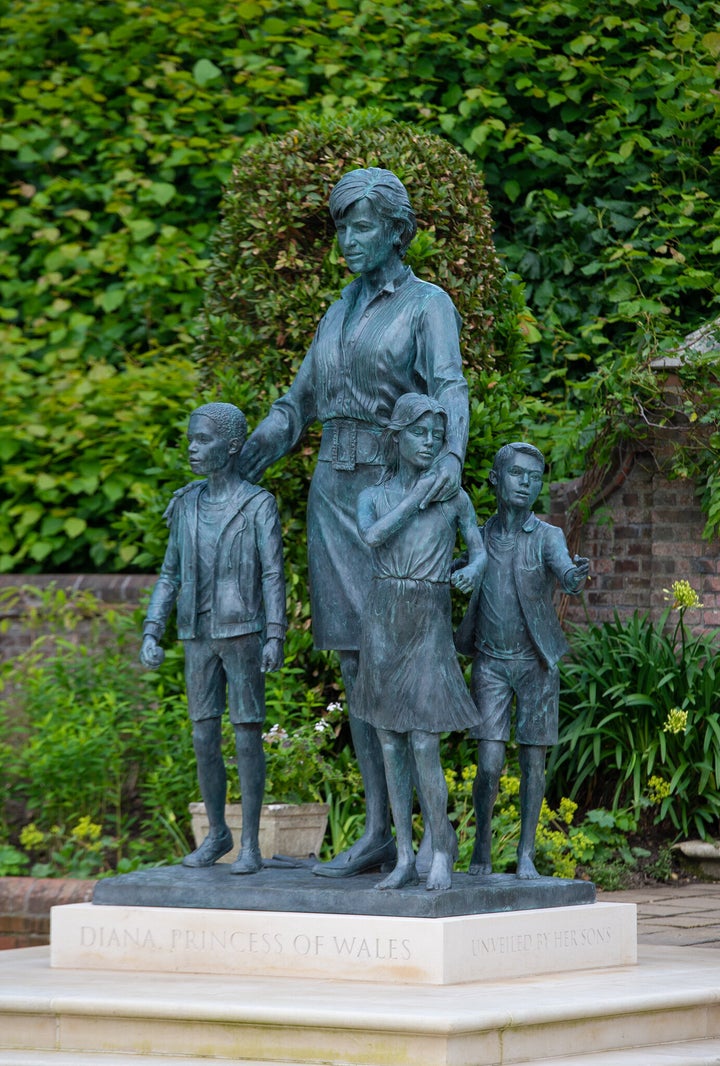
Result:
419,444
366,240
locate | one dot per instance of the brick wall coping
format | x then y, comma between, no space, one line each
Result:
110,588
34,896
25,904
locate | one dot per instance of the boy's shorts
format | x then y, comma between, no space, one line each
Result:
536,689
222,672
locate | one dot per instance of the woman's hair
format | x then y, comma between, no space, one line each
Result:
386,193
408,408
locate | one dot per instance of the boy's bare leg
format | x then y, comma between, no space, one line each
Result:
532,791
251,771
207,742
491,760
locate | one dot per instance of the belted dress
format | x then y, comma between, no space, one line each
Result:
405,340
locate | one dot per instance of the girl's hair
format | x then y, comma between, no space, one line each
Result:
408,408
386,193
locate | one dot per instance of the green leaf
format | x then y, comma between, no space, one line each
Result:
711,41
111,299
205,71
74,527
162,192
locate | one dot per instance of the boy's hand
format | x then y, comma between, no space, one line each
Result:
578,575
151,654
467,578
273,655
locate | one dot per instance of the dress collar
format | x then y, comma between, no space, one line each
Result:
350,291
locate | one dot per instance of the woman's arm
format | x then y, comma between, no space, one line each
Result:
282,427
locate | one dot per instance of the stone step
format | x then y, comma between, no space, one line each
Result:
686,1053
691,1053
672,995
94,1058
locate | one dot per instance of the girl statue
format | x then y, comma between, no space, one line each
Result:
409,685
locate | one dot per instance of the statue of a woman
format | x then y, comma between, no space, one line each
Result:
388,334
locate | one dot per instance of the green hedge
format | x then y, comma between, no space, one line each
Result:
595,126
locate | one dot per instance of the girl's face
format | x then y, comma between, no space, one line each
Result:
419,444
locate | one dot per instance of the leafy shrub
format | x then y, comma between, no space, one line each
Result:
87,730
96,764
90,458
276,268
276,265
562,847
640,719
595,125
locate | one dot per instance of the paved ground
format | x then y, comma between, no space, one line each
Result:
679,915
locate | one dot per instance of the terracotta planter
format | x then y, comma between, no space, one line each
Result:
295,829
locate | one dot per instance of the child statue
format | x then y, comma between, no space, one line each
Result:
223,569
409,685
512,631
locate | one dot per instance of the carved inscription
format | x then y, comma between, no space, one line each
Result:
557,940
248,942
99,937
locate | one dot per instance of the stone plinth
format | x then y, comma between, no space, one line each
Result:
436,951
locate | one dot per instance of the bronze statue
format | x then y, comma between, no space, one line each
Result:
388,334
223,568
409,683
512,631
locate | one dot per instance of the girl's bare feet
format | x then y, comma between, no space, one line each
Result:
440,876
402,876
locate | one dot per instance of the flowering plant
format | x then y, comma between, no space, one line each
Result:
301,762
640,717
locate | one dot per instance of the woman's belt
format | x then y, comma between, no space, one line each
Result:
347,442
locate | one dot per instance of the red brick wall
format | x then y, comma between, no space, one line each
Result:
116,589
646,534
25,904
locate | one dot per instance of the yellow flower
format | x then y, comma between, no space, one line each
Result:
86,829
658,789
566,810
683,595
676,721
31,837
510,785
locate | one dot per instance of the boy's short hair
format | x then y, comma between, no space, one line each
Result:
228,418
505,455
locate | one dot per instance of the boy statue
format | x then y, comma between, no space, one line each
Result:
224,569
512,631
